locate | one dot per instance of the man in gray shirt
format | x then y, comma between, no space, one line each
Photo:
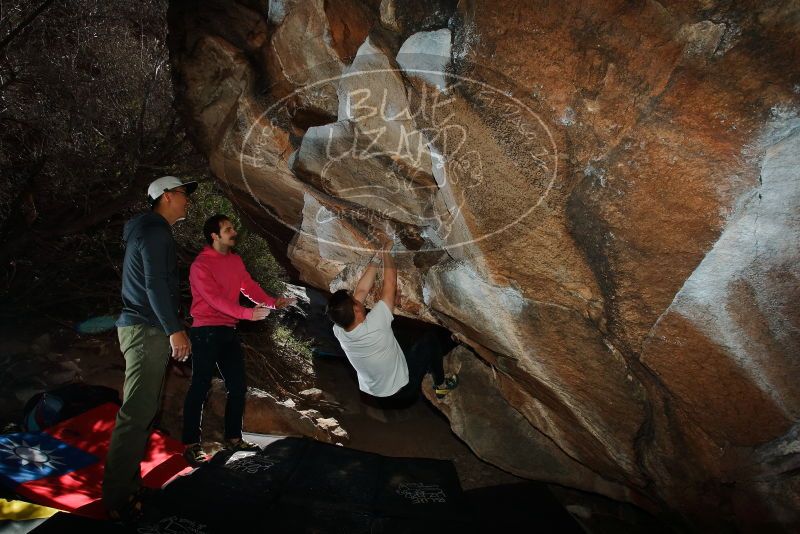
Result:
149,330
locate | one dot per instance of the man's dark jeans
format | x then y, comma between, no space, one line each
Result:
424,353
215,347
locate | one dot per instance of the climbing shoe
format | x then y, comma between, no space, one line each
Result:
446,387
238,445
195,455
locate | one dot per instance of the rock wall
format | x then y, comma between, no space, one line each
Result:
600,198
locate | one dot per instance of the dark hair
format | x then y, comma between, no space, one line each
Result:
340,308
212,226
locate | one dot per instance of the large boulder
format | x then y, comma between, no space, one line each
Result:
599,198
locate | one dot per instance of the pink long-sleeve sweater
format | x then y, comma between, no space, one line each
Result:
216,281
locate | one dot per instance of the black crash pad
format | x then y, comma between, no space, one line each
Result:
300,485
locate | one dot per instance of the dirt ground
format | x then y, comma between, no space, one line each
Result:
417,431
421,431
34,361
38,359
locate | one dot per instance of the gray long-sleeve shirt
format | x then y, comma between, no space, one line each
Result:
150,293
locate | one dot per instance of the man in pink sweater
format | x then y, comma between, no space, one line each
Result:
217,277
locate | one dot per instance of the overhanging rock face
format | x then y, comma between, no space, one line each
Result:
601,198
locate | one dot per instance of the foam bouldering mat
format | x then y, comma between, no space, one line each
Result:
300,485
62,523
20,517
516,507
65,522
62,466
97,325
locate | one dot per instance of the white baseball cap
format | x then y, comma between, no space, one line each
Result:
167,183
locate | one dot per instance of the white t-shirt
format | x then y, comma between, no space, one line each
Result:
374,353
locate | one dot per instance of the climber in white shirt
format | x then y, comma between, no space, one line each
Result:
386,368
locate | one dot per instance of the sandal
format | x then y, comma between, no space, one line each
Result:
133,512
241,445
195,455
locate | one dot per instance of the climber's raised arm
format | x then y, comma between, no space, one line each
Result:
389,290
366,282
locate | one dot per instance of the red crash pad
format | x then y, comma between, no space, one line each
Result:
62,466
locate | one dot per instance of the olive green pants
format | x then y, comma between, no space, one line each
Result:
146,350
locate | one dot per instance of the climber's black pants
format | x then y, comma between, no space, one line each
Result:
424,354
215,348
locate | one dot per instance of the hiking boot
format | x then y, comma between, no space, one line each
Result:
241,445
446,387
195,455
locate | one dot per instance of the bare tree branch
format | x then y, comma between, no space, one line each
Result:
25,23
145,99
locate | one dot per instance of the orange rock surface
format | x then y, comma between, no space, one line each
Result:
600,198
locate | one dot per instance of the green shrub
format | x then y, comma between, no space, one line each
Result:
209,200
